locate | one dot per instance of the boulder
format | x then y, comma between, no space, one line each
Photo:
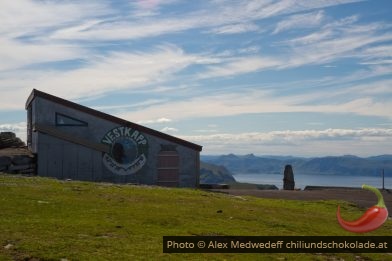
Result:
288,179
9,139
22,160
5,161
13,167
7,135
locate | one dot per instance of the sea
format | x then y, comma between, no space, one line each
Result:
302,180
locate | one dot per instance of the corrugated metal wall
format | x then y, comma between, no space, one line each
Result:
60,158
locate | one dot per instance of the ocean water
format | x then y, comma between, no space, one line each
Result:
301,181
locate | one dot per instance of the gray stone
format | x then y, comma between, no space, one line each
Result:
22,160
8,246
7,135
288,179
5,161
21,167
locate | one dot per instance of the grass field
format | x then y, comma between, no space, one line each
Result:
47,219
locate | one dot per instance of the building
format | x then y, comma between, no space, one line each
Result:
72,141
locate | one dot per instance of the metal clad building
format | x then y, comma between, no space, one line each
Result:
72,141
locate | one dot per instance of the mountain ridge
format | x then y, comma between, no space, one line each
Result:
328,165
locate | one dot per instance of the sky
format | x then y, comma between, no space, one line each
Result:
288,77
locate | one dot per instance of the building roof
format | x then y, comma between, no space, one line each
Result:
36,93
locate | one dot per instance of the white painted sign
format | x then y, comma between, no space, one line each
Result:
128,150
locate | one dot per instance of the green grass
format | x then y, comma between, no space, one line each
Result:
47,219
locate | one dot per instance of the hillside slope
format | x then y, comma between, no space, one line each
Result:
214,174
46,219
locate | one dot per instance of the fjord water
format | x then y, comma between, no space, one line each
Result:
301,180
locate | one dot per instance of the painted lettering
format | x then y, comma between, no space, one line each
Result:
140,138
135,134
142,142
107,140
127,132
116,133
110,135
122,139
121,129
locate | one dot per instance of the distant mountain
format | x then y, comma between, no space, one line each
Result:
381,158
213,174
337,165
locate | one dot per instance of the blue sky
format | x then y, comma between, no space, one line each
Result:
303,78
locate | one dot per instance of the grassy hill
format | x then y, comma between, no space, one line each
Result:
47,219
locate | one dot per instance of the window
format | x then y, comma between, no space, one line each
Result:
64,120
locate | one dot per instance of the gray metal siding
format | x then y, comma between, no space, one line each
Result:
66,160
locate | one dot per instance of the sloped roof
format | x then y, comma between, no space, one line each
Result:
108,117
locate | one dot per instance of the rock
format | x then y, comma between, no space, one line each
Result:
13,167
22,160
5,161
8,246
7,135
9,139
27,171
214,186
288,179
266,187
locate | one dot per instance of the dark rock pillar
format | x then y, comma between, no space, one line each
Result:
288,179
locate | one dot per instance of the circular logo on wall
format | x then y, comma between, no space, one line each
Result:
128,150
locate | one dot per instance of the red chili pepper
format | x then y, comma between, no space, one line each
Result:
373,218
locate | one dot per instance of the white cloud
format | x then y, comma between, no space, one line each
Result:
223,17
25,17
123,107
241,65
206,131
236,28
160,120
13,98
18,54
308,20
377,62
169,129
334,41
376,55
116,71
262,101
363,142
333,49
25,25
292,137
121,30
211,105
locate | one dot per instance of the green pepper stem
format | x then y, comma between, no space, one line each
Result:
380,202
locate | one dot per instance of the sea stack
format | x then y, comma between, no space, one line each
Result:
288,179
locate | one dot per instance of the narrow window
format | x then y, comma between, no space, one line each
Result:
64,120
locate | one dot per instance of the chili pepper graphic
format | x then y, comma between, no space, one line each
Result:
373,218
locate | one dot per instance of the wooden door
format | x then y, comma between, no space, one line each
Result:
168,168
